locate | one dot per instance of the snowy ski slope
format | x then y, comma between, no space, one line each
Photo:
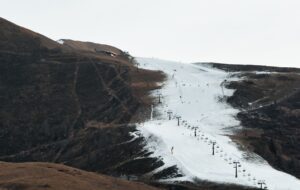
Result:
192,92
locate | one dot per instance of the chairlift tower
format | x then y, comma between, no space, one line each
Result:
261,183
213,147
159,97
236,166
222,86
178,120
169,114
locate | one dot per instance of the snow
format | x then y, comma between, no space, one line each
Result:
193,92
60,42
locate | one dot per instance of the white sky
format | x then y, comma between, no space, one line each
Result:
265,32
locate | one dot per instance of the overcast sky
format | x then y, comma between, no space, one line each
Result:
265,32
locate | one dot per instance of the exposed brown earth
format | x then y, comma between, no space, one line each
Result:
38,176
17,40
67,106
201,185
249,68
104,52
91,47
270,114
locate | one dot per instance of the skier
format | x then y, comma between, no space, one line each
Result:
172,149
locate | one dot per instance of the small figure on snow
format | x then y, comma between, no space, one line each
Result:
172,149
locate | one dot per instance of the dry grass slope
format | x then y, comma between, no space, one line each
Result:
38,176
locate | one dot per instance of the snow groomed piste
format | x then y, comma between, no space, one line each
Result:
193,128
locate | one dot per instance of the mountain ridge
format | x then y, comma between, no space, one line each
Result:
81,104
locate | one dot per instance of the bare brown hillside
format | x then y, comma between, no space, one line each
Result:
101,51
14,38
270,113
91,47
70,106
38,176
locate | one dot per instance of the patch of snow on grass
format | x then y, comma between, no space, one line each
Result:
60,42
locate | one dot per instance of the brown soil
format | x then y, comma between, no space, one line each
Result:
38,176
272,119
14,38
71,106
249,68
91,47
